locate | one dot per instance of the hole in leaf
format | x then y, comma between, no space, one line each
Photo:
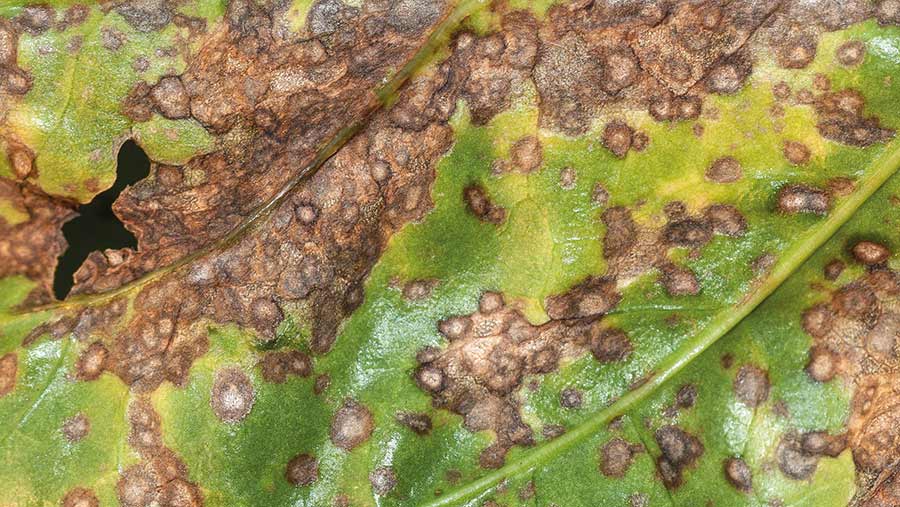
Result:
97,227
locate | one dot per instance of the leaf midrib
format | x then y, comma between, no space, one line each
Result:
884,166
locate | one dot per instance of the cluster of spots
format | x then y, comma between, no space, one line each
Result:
617,455
479,204
492,350
277,366
798,455
30,247
679,450
161,477
275,100
632,249
618,138
855,336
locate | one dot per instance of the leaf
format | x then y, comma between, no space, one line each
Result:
570,255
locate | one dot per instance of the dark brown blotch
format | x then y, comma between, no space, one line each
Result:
738,474
232,395
352,425
302,470
751,385
616,457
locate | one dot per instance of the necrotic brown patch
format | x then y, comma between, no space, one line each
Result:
616,457
751,385
232,395
9,368
478,202
679,451
738,474
796,153
851,53
277,366
617,137
725,170
419,423
352,425
793,461
302,470
794,199
527,154
80,497
383,480
76,427
870,253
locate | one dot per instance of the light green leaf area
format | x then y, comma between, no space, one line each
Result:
172,141
71,118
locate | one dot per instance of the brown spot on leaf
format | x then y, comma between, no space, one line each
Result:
616,457
834,269
352,425
302,470
725,219
738,474
851,53
617,137
419,423
80,497
479,204
679,281
870,253
725,170
171,98
9,369
680,450
793,461
796,153
822,364
593,297
277,366
570,398
526,154
383,480
76,427
609,345
232,395
793,199
751,385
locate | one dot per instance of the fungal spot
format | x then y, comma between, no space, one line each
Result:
751,385
679,281
616,457
527,491
840,118
870,253
689,232
833,270
593,297
680,450
419,423
352,425
570,398
738,474
796,153
686,396
609,345
383,480
171,98
137,487
479,204
796,53
302,470
9,368
620,71
599,195
277,366
793,199
232,395
726,220
821,366
146,15
793,461
80,497
76,427
617,138
851,53
567,178
527,154
725,170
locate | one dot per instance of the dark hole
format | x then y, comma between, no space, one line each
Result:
96,227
